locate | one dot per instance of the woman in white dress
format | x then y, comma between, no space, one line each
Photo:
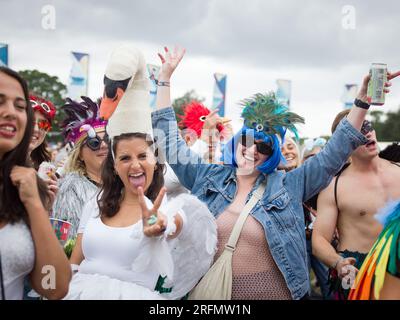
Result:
28,244
131,244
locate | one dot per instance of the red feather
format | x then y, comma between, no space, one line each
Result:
193,117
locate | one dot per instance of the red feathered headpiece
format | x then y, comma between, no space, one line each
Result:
194,115
45,107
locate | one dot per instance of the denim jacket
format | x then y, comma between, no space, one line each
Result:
280,210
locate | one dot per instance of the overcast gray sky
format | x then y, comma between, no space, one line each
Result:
253,41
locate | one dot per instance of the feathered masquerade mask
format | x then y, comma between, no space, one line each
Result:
82,120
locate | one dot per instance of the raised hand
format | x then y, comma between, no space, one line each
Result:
154,222
362,95
170,61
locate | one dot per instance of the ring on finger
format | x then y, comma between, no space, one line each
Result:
152,220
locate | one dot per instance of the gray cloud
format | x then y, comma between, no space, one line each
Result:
267,33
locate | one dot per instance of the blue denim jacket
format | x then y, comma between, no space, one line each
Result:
280,210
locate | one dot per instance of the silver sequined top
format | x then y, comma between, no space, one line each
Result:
74,192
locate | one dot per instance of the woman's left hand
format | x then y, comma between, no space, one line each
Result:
170,61
154,222
25,179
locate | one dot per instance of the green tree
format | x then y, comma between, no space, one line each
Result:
180,102
391,127
50,88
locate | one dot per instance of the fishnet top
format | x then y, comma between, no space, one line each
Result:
255,274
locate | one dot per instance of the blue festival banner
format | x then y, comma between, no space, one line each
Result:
153,71
349,94
284,91
78,79
3,54
219,93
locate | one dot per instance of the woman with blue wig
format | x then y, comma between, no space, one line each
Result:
270,258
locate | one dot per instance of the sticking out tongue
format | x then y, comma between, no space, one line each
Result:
137,181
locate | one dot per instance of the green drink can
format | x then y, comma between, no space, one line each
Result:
376,85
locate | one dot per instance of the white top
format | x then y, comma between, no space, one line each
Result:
17,258
112,251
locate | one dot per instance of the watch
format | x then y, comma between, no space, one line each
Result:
361,104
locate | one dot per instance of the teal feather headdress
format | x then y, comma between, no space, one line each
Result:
264,114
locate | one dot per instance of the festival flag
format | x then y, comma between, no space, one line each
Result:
153,71
349,94
219,93
284,91
3,54
78,79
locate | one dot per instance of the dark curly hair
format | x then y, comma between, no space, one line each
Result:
109,198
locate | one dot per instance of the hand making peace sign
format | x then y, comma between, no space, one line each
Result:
154,222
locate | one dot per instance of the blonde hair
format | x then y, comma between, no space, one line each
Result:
74,162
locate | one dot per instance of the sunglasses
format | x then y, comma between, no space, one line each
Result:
94,144
43,125
262,146
43,105
366,127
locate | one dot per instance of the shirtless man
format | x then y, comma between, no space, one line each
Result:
361,189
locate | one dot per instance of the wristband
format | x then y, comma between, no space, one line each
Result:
361,104
162,83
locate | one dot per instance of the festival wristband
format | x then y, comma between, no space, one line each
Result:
162,83
361,104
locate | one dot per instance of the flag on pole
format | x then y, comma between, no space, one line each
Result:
219,93
3,54
153,71
349,94
78,79
284,91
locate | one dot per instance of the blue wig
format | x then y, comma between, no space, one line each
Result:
264,119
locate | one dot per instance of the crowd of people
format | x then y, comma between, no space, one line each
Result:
153,205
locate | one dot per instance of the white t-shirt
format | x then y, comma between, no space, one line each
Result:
112,251
17,258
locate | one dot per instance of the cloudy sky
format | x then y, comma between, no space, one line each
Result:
316,44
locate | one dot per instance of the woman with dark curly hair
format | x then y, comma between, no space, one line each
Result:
131,244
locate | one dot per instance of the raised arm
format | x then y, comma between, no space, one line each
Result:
187,165
316,173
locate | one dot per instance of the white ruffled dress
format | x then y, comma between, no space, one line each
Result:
122,263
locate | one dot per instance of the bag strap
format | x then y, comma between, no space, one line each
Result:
237,229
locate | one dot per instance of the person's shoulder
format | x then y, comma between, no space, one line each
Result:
390,165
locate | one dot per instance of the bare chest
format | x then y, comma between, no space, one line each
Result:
365,195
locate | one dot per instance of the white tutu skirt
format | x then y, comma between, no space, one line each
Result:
100,287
